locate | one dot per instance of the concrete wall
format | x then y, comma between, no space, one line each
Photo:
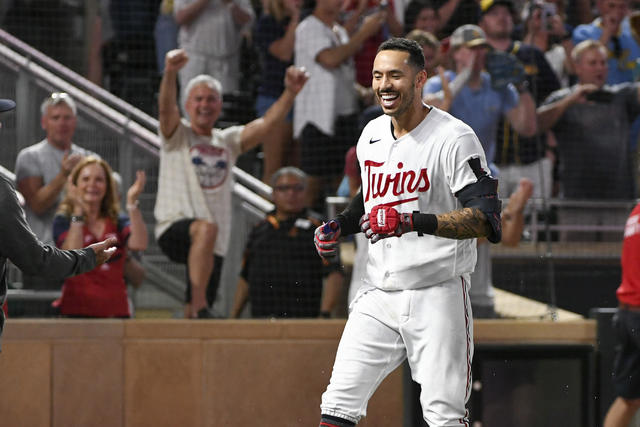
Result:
173,373
130,373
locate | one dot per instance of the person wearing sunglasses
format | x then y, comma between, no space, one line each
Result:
282,276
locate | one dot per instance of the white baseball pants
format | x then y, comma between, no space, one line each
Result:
431,326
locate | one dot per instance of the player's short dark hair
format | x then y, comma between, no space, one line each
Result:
416,56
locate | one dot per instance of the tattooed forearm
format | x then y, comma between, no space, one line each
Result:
465,223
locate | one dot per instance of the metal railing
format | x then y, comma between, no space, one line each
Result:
137,145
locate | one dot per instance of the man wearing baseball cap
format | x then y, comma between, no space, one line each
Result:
472,91
519,155
475,101
22,247
487,5
6,105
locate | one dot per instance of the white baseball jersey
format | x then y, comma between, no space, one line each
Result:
421,171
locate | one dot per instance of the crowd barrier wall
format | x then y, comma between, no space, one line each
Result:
71,372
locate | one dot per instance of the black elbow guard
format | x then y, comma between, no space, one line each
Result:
483,195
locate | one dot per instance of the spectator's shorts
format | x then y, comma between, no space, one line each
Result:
175,243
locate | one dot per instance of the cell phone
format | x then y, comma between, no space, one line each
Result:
601,96
549,10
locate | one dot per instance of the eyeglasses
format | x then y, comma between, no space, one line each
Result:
295,187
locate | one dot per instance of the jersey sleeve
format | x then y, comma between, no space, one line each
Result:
465,147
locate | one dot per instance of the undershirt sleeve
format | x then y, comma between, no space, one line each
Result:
349,219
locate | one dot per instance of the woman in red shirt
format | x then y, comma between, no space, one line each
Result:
89,213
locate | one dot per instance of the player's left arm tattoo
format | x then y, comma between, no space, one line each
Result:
465,223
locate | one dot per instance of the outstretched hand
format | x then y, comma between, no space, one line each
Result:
104,250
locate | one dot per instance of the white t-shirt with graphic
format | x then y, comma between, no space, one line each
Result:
196,179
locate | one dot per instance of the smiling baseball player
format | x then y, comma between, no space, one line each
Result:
425,197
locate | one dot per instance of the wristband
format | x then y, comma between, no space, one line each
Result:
425,223
325,314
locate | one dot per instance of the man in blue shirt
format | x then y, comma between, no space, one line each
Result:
612,29
470,96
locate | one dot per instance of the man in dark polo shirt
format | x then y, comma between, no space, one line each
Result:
282,275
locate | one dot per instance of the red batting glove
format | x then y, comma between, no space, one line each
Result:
326,239
384,221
